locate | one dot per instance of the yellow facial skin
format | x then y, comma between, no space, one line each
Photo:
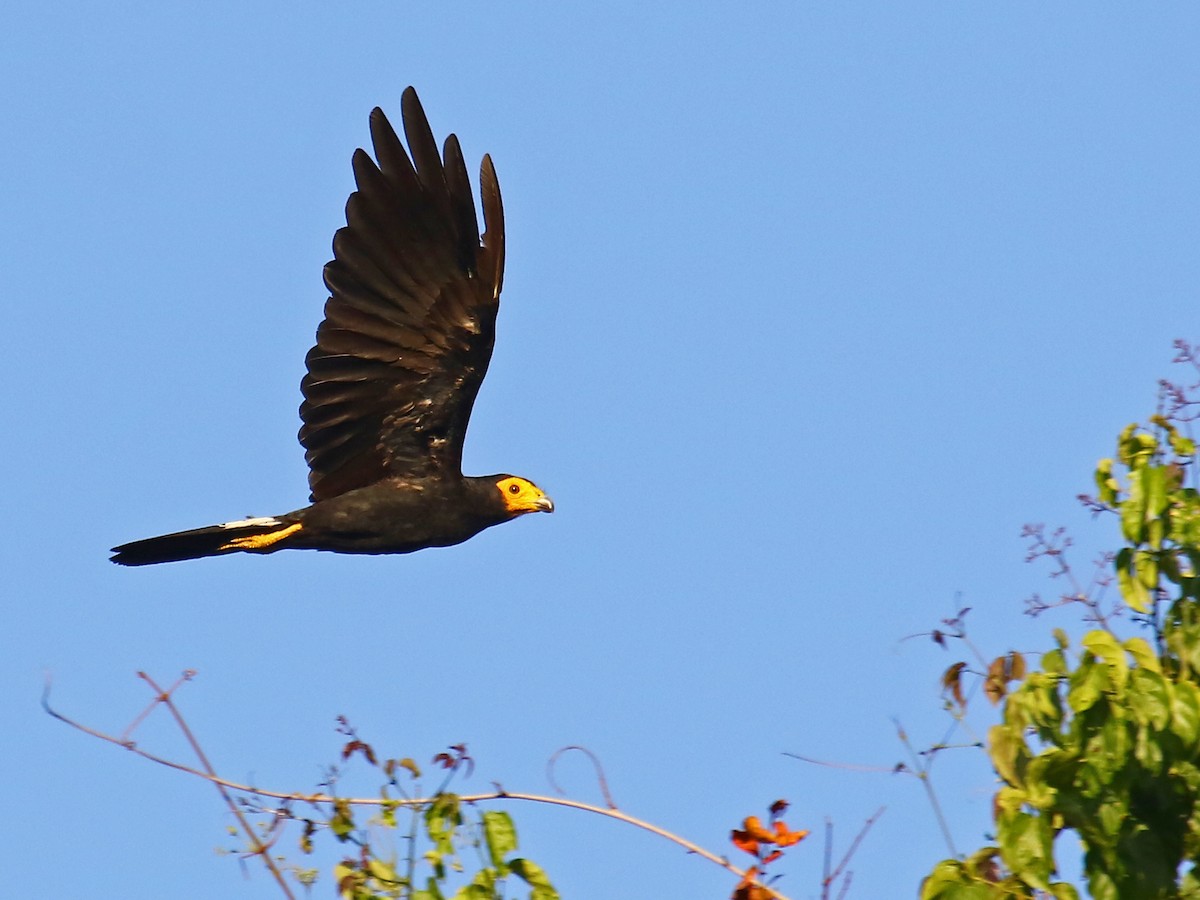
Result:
521,496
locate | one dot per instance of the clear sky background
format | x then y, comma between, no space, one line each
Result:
808,308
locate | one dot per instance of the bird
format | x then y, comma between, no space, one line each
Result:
405,342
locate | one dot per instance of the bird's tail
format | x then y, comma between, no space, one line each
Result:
252,535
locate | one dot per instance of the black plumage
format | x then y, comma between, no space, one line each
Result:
399,357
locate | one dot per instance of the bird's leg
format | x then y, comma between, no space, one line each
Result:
253,542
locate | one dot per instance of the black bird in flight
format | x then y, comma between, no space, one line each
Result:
407,336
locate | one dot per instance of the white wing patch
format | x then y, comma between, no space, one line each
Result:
265,520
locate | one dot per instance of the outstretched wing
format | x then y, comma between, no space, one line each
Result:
410,323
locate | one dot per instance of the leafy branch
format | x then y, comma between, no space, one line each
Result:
441,811
1104,742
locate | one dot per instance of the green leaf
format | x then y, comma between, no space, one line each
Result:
1114,739
1132,590
1005,744
501,836
442,818
1040,693
1100,884
1007,750
947,876
533,875
387,814
342,823
1145,567
1185,520
1185,712
949,882
1137,448
1149,698
1143,654
1106,485
1060,890
475,891
1054,663
1105,646
1154,481
486,878
1025,841
1088,684
1112,815
1009,799
347,879
382,871
1133,510
1045,773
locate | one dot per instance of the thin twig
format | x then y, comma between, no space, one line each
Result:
959,720
826,878
854,844
921,770
257,847
834,765
600,779
127,734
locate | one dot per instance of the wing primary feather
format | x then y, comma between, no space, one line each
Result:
425,154
388,214
389,151
466,226
493,222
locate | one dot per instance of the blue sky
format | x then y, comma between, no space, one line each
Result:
808,308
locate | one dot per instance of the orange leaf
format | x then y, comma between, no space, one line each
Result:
751,874
785,838
747,890
754,827
743,841
952,682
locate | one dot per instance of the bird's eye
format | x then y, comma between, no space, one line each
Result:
514,489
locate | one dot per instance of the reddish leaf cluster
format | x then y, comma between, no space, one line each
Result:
456,759
360,747
766,844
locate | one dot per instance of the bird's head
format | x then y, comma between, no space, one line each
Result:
521,496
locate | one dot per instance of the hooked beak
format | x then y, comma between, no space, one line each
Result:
544,504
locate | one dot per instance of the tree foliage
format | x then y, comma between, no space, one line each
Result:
450,850
1098,747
